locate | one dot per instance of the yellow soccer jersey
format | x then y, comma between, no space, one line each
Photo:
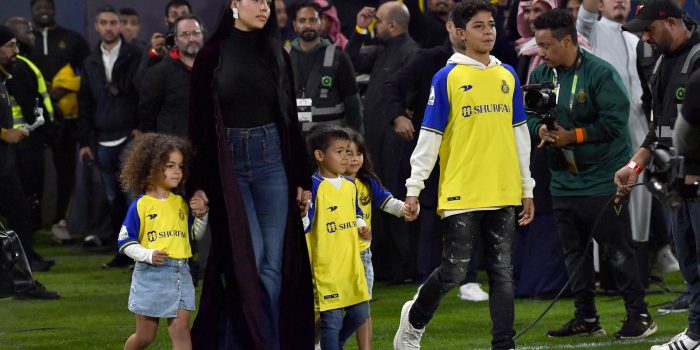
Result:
333,243
158,224
475,111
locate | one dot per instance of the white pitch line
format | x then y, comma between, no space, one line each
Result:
590,345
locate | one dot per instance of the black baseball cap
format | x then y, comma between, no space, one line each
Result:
649,11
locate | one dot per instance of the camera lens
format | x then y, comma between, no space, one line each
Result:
535,99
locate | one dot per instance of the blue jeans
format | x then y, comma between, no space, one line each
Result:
336,329
686,235
107,159
366,257
257,162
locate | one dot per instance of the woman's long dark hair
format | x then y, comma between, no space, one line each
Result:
271,45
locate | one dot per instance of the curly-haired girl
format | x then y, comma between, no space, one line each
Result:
156,234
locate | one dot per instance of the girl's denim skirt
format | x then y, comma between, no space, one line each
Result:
159,290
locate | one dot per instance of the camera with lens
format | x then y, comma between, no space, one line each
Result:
169,41
541,100
665,177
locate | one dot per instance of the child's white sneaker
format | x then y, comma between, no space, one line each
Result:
407,337
472,292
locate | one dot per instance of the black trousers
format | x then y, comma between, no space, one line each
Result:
29,156
13,205
574,217
64,159
497,227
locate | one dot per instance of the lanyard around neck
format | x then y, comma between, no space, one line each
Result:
570,111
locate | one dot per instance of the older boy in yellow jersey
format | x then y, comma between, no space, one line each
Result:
334,224
475,121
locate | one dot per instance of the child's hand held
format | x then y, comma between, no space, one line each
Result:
365,233
159,257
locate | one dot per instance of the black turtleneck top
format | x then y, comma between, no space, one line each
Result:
245,84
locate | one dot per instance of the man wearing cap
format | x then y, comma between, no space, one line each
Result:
661,22
12,201
27,90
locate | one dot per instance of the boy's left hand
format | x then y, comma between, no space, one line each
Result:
528,213
365,233
304,202
198,207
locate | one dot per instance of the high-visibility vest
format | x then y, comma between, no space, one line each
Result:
18,118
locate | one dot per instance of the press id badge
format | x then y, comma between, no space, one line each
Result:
304,110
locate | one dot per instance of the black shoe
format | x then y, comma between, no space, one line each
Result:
681,304
38,292
119,261
41,265
578,327
638,326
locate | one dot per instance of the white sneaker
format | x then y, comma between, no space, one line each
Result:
472,292
666,261
680,341
92,241
317,346
60,231
407,337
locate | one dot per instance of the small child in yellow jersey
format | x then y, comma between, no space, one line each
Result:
334,227
156,234
369,192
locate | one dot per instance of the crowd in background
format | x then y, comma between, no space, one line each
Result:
360,64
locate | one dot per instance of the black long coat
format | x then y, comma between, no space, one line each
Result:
232,296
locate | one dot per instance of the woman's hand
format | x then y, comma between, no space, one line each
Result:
198,206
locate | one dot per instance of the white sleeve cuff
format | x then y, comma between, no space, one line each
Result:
200,226
305,221
139,253
394,207
361,222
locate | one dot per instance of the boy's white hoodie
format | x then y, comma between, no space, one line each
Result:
426,152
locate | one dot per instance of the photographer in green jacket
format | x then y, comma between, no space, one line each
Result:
589,142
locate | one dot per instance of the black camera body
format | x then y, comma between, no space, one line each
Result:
541,100
169,41
665,177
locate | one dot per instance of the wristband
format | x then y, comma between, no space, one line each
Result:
360,30
634,166
3,133
580,135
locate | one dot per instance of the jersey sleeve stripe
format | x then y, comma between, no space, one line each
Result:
385,201
126,244
431,129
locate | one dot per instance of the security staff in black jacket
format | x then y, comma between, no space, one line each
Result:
108,101
13,204
165,89
662,23
28,90
324,78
